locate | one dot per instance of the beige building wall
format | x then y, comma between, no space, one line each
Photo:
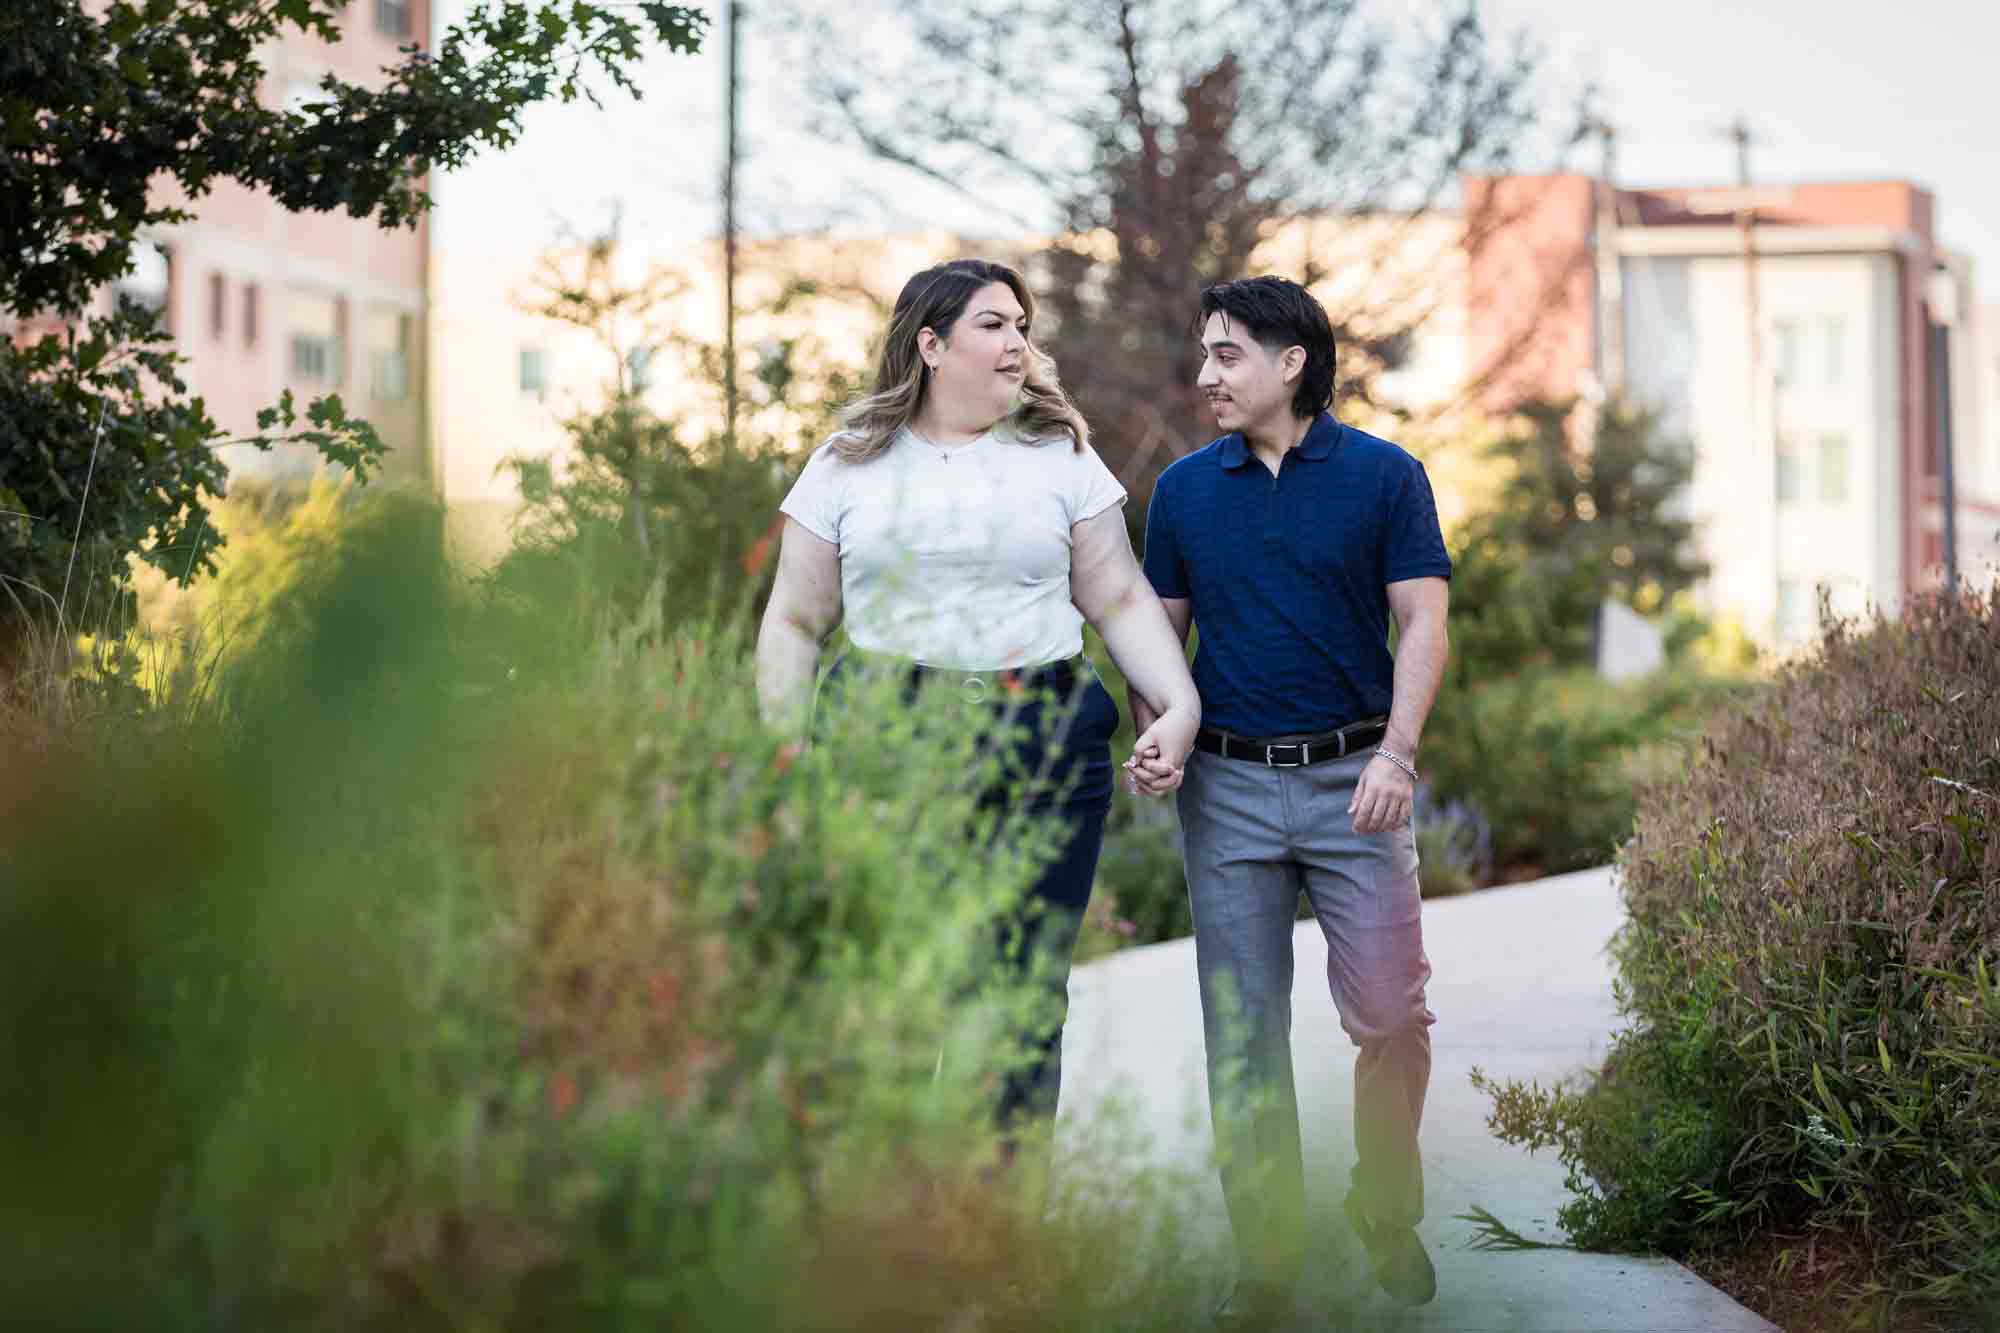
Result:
1975,384
483,324
1982,525
1799,470
1392,270
489,340
1798,445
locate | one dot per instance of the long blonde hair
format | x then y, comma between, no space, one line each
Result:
934,299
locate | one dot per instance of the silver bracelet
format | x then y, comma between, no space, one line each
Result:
1398,760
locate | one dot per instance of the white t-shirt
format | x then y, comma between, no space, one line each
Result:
957,557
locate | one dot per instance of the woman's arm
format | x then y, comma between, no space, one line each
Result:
803,610
1114,596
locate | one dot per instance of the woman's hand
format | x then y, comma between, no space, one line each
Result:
1159,755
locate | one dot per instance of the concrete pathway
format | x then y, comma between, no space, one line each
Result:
1521,988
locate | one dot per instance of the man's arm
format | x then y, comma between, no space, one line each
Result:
803,610
1383,796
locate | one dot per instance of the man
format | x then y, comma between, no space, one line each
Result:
1291,542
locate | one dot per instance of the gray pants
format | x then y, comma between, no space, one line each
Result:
1253,838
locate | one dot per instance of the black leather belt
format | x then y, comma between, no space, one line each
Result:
1296,752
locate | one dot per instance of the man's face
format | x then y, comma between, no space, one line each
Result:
1247,386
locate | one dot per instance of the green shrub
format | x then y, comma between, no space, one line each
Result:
1547,756
1454,847
1814,926
409,993
1645,1141
639,511
1140,896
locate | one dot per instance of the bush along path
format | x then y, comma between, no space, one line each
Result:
1806,1099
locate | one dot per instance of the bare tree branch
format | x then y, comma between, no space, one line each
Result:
1169,142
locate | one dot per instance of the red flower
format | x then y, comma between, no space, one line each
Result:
789,751
759,553
562,1094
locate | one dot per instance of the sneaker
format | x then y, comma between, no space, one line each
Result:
1254,1307
1396,1257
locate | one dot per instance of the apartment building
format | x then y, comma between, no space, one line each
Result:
261,300
1821,350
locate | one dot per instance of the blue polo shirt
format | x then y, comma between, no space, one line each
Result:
1289,574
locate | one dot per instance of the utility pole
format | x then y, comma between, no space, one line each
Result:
729,160
1610,277
1739,134
1941,311
1763,404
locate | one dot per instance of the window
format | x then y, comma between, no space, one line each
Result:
314,357
1833,469
1791,354
534,373
1791,473
392,17
639,368
389,355
218,311
315,319
249,314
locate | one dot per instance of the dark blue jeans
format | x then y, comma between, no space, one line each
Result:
1057,766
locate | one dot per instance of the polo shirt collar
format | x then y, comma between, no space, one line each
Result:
1319,440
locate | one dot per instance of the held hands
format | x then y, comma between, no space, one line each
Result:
1382,797
1159,755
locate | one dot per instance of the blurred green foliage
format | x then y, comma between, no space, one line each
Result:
399,987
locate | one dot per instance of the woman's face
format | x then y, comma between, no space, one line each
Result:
978,370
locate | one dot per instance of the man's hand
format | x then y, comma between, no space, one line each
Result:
1382,798
1159,755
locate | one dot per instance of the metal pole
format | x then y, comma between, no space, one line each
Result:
1941,351
729,158
1610,279
1740,132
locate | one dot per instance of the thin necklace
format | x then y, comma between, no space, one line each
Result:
943,454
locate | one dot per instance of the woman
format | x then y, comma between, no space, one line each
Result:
962,525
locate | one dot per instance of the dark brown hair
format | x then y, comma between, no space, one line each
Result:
934,299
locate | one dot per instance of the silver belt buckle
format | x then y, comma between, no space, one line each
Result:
973,689
1304,750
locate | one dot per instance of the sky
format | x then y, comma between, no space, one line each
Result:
1831,89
